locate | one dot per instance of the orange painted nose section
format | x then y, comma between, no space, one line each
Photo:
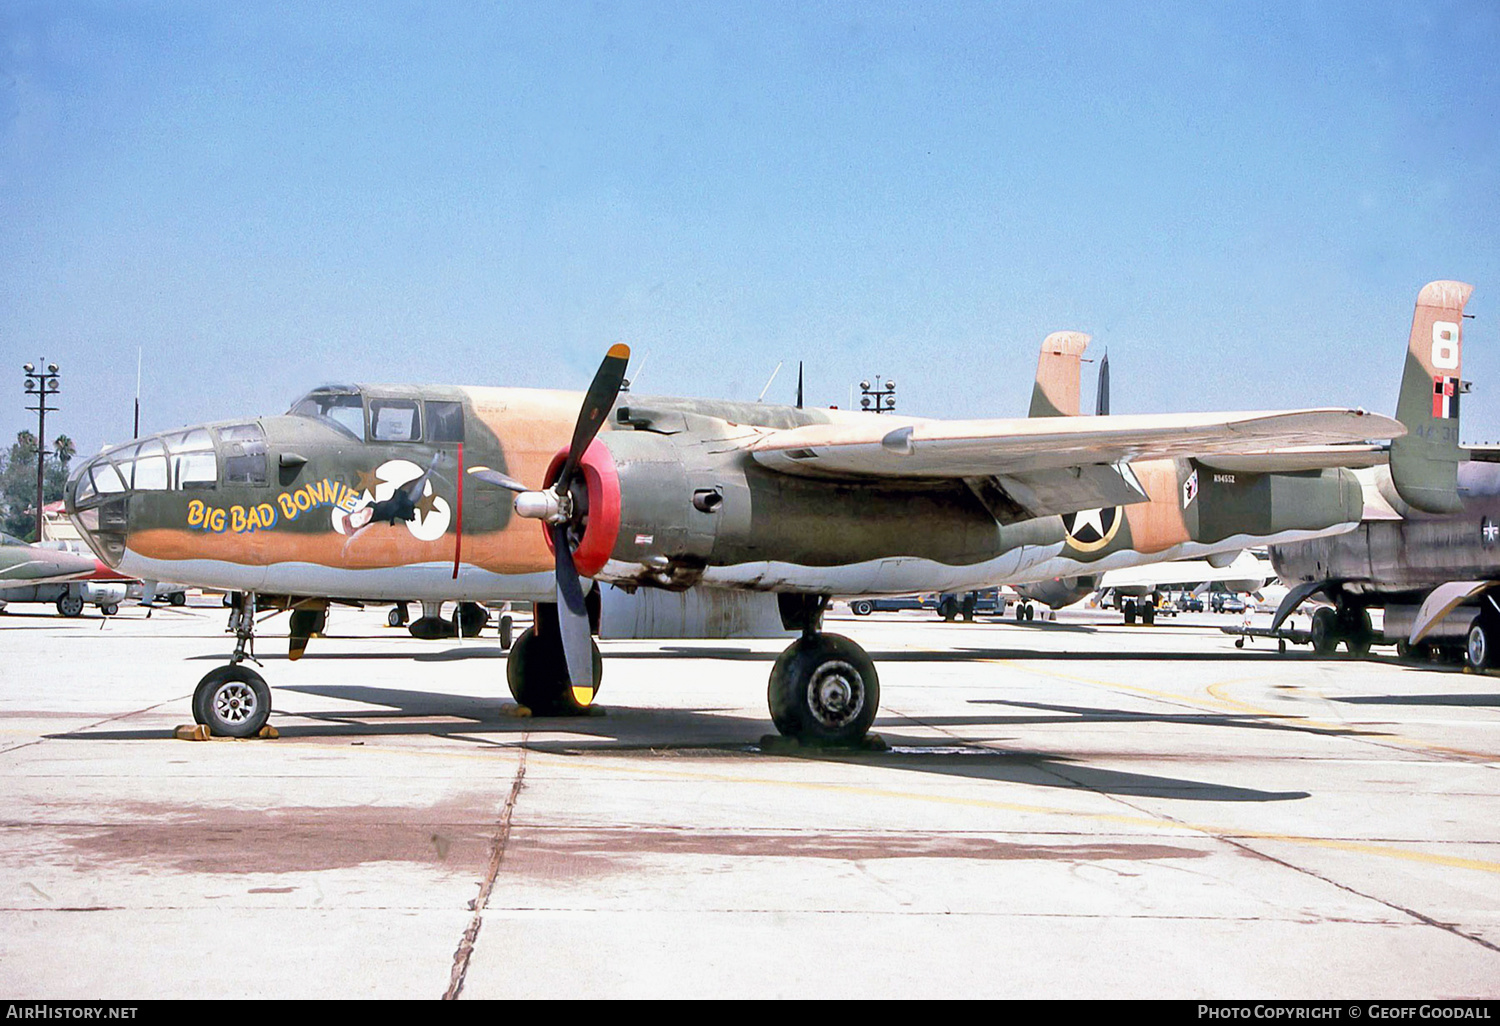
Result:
601,480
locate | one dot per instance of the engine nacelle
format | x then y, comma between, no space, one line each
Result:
694,498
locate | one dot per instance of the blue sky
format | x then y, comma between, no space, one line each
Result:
1239,200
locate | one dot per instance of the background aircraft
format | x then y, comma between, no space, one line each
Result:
69,580
399,492
1428,550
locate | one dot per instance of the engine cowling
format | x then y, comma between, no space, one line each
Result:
596,494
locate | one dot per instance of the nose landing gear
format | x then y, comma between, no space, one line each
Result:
234,700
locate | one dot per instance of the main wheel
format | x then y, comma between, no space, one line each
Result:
1358,634
232,701
948,608
824,688
110,608
507,631
1325,631
537,673
1479,649
1148,614
861,608
1130,612
471,618
394,617
69,604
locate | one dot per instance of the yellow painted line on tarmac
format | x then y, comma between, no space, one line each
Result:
1384,735
1215,691
1216,833
636,767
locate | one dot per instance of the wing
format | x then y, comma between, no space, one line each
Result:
1052,465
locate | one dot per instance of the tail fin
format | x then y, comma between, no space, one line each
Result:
1101,395
1055,393
1424,462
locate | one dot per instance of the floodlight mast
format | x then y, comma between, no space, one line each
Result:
41,384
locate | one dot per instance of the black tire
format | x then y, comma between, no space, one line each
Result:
948,608
1403,650
1030,612
537,674
394,617
69,605
507,632
177,598
1325,631
109,608
861,608
824,689
1148,614
472,618
232,701
1479,646
1130,612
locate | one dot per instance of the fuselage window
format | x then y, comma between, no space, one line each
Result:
445,422
345,409
244,454
394,420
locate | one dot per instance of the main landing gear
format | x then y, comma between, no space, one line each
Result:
234,700
537,671
824,687
1347,624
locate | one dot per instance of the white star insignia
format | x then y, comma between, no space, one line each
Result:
1089,518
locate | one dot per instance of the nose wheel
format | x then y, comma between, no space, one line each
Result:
234,700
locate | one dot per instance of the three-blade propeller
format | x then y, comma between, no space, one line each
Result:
563,510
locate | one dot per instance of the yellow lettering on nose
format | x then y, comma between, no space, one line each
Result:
237,519
195,513
267,514
288,505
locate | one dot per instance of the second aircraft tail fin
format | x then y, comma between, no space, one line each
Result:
1424,462
1055,393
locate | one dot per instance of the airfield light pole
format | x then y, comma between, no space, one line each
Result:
42,385
881,399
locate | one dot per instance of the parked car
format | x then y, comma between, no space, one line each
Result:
866,606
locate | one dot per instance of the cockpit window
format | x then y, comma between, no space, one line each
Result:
193,464
337,404
6,539
244,454
394,420
179,460
445,421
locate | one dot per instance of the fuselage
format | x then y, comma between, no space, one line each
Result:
1400,558
367,492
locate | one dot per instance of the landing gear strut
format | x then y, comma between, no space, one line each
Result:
823,688
234,700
